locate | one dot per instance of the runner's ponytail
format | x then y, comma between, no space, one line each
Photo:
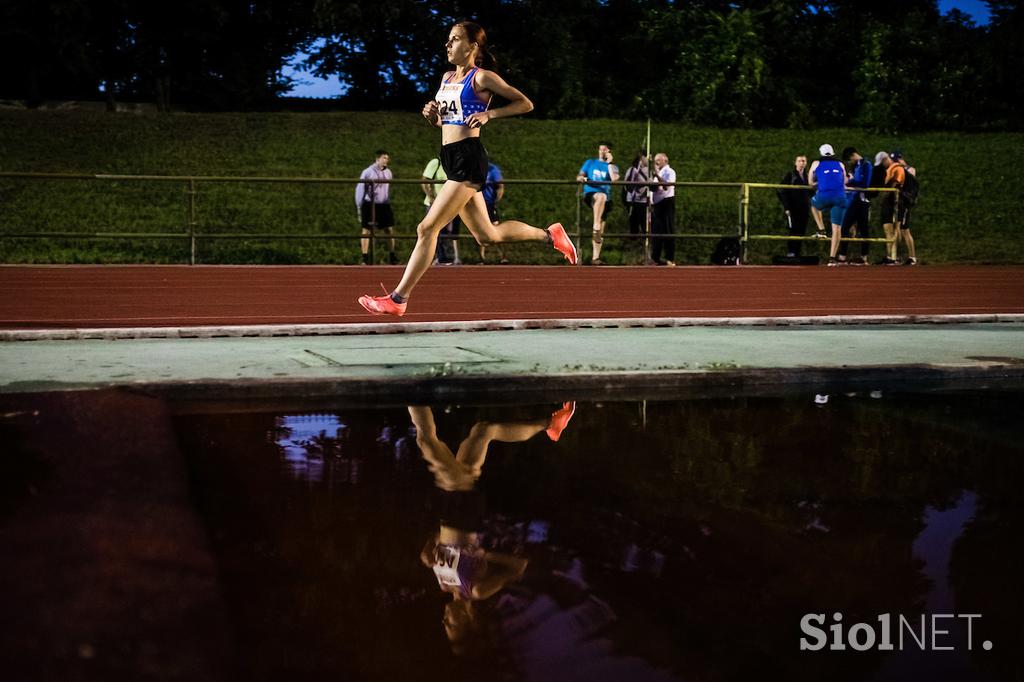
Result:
476,34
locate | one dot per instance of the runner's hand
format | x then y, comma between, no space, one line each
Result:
430,111
478,119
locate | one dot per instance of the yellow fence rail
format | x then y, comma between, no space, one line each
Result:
192,233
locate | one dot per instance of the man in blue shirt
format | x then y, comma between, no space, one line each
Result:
493,191
828,175
598,196
855,222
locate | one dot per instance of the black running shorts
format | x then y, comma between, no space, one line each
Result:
588,199
376,215
465,161
888,208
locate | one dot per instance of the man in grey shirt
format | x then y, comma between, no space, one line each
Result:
373,203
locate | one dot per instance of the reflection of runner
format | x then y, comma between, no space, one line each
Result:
459,471
460,109
463,568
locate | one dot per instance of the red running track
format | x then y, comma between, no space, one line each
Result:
48,297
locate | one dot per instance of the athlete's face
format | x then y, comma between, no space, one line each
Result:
458,46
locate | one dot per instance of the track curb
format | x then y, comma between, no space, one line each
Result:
264,331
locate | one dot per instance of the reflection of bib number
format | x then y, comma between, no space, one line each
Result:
446,566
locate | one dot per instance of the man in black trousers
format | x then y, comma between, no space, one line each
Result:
796,203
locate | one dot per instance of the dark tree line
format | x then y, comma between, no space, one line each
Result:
874,63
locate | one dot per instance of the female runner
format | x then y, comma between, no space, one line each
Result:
460,109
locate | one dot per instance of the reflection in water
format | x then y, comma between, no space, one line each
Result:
463,567
934,547
307,441
653,540
541,637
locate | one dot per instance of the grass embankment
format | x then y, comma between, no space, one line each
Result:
969,209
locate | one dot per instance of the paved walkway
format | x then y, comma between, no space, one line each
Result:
528,359
223,331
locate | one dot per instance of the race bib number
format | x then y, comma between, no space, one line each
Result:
449,103
446,566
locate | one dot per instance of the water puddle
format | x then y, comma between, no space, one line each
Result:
632,540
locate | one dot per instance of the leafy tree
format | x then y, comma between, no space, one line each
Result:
724,71
886,65
1002,56
381,52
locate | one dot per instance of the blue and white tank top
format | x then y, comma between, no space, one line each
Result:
458,101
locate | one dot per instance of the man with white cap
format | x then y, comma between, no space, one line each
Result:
828,176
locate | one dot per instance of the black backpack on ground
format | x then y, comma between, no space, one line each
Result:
910,190
727,251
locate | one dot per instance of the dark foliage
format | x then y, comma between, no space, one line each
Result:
888,66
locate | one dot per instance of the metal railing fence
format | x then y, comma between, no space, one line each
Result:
191,229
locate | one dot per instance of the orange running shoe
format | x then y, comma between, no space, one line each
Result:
562,243
560,419
382,305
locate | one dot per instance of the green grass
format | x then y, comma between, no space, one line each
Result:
968,213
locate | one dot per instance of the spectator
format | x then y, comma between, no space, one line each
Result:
373,202
447,248
828,176
894,177
664,220
636,195
796,203
878,180
855,222
598,196
493,191
908,197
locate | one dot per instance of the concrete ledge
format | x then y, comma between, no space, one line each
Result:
241,331
584,385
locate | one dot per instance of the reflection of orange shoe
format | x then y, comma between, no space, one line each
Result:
562,243
560,419
382,305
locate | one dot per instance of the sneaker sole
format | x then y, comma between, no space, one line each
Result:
367,307
554,438
575,256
